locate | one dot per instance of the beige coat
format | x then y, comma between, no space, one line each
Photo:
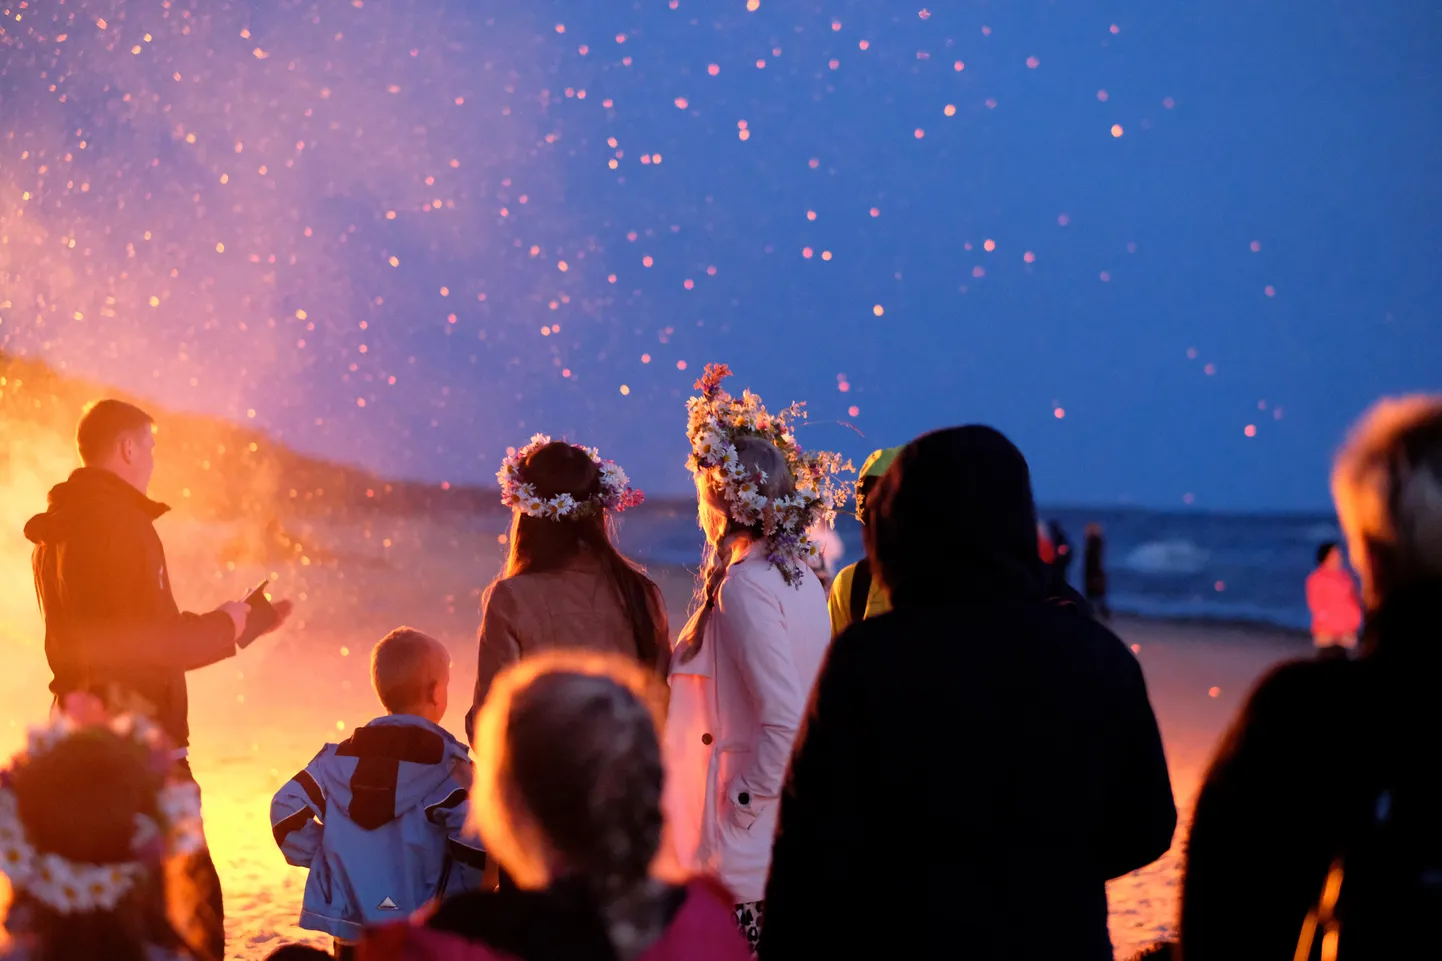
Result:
578,606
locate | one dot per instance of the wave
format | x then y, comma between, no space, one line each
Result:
1166,557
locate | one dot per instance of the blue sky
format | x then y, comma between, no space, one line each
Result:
1309,131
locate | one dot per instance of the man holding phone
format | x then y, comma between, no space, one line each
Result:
112,626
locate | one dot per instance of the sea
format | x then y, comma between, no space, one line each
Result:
1247,568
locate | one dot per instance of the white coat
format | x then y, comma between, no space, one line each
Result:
734,714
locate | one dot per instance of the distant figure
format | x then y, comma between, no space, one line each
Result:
974,760
87,821
856,594
1332,599
377,818
568,797
564,583
1045,549
112,627
1321,817
744,664
1061,565
1094,572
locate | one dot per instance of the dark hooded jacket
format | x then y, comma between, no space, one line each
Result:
111,623
1329,759
977,763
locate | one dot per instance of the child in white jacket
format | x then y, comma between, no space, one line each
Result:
378,817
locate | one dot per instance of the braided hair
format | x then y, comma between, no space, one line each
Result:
760,457
569,784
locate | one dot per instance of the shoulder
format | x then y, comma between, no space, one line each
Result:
1301,692
841,584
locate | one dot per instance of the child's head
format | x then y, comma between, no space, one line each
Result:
569,773
1328,555
411,673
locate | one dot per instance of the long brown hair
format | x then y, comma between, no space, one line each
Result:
540,544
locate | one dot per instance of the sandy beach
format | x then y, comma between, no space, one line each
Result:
260,717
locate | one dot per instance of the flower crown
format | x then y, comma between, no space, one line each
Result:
616,493
71,887
715,420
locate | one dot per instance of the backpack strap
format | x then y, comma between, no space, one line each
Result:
860,590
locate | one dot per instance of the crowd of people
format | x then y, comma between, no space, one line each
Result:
949,756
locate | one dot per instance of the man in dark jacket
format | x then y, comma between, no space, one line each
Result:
112,626
975,764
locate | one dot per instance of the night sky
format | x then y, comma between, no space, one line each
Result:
1171,249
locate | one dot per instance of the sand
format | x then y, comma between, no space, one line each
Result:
258,718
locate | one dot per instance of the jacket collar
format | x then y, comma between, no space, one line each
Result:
107,483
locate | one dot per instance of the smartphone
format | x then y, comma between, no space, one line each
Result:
262,616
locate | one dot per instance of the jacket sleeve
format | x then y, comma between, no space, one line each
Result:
134,624
449,809
838,600
498,648
813,867
753,631
1138,815
297,816
190,642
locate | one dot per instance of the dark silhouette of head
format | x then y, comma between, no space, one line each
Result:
953,516
80,801
539,544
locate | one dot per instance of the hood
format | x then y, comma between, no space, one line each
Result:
954,517
877,463
389,767
74,502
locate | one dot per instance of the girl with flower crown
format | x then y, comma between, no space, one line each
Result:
744,665
87,866
564,584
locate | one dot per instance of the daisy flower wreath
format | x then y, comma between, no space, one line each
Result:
616,493
714,421
71,887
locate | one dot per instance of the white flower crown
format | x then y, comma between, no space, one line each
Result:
71,887
616,493
714,421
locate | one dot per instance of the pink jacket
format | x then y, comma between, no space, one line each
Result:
1332,598
703,930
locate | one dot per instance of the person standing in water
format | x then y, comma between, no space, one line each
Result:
1095,572
112,627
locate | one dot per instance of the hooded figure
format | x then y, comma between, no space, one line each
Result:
111,623
378,819
974,759
855,593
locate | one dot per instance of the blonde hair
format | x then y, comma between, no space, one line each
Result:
1387,485
404,665
569,767
760,458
